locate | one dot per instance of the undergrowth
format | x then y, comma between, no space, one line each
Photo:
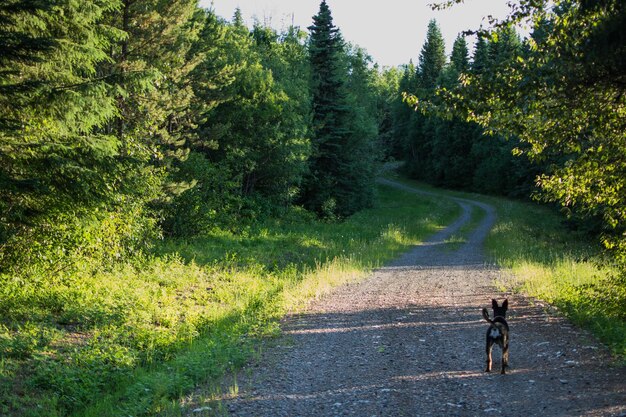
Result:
134,338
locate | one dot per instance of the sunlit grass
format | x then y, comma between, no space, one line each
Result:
133,339
561,266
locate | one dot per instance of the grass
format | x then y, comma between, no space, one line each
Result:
565,268
134,339
549,261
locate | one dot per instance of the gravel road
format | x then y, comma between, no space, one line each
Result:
409,341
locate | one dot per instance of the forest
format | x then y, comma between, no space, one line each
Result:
131,127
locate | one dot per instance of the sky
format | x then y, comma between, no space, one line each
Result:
392,31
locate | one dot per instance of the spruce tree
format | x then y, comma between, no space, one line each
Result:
52,100
361,151
497,171
459,59
148,71
432,57
330,117
431,64
452,141
480,59
401,113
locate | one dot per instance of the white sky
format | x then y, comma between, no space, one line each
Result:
392,31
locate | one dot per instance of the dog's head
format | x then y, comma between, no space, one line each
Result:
499,311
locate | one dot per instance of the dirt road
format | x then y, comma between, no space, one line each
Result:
409,341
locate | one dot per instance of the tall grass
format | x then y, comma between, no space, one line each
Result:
133,339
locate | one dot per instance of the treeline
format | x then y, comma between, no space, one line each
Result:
451,151
541,117
125,120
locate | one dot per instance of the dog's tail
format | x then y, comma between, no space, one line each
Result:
486,315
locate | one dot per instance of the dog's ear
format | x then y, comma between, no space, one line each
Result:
494,303
505,303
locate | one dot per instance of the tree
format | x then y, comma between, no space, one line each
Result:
326,189
53,158
147,72
403,114
389,96
452,165
480,60
252,142
363,149
419,163
432,57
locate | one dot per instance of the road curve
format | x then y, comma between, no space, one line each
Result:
409,341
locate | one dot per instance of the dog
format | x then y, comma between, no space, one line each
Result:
498,333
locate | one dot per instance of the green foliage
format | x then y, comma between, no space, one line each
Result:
131,340
432,58
387,86
402,115
418,142
252,146
562,96
448,148
51,161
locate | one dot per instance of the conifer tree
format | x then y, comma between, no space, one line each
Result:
497,171
330,117
388,95
52,160
480,59
452,165
362,148
148,69
420,139
459,59
432,57
403,114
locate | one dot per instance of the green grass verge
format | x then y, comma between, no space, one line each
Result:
133,340
549,261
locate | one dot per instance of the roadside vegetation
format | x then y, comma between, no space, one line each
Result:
565,267
131,339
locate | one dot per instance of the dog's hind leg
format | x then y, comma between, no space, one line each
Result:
488,349
505,356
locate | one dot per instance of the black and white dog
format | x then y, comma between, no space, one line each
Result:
497,333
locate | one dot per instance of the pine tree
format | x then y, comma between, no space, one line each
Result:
493,156
362,150
402,113
480,59
388,92
452,141
459,59
148,71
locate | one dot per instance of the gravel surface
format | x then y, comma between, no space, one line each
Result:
409,341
